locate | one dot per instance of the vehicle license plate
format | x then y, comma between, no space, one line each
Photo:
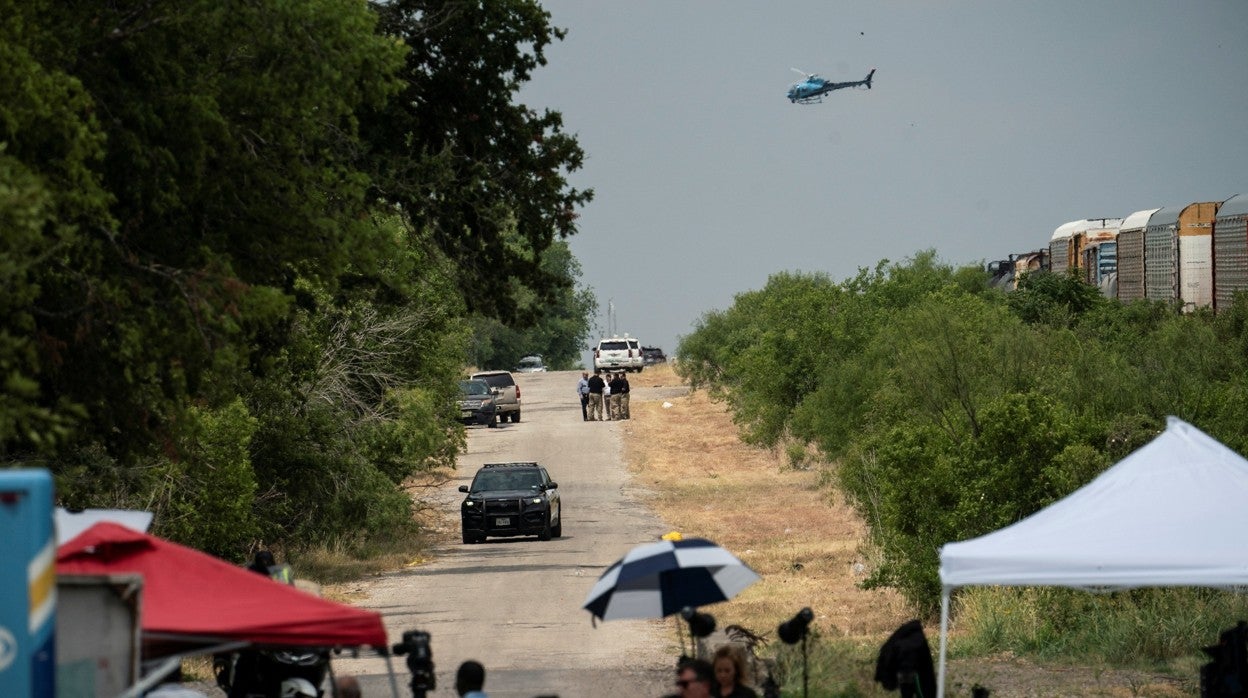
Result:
502,521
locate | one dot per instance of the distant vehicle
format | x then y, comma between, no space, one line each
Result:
813,88
652,355
511,499
531,364
477,403
507,397
618,353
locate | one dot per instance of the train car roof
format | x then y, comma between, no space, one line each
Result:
1065,230
1235,206
1168,215
1138,220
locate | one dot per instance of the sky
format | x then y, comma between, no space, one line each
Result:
989,125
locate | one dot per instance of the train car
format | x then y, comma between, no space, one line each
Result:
1230,251
1028,263
1059,248
1100,265
1004,274
1068,242
1130,255
1178,255
1195,250
1161,278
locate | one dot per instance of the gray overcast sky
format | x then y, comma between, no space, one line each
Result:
989,125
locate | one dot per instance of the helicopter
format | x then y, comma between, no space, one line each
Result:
813,88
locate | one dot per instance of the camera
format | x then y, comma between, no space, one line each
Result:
416,646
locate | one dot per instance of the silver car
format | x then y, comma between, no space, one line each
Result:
531,364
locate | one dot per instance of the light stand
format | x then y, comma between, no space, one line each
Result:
700,625
416,646
794,630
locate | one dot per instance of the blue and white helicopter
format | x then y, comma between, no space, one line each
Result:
813,88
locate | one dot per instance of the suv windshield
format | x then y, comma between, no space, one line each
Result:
498,380
492,480
474,388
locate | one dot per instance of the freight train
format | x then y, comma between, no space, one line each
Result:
1195,256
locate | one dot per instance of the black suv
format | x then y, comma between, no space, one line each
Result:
652,355
511,499
477,403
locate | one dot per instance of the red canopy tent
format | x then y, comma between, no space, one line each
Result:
194,595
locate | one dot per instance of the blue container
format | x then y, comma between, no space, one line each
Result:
27,585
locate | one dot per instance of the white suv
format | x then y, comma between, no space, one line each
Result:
618,353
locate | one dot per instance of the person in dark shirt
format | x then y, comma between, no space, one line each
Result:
615,411
625,414
596,386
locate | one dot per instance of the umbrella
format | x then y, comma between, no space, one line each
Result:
656,580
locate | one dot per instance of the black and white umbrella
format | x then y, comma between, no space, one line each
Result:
656,580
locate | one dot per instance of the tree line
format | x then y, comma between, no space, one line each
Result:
946,409
247,248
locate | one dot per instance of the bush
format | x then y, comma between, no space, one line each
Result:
204,499
1138,627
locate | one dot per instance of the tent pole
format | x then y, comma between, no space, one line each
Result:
394,683
944,635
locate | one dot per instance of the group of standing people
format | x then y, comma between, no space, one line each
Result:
600,394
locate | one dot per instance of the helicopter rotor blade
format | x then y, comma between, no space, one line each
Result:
802,73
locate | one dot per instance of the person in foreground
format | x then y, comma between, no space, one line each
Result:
694,679
470,680
730,674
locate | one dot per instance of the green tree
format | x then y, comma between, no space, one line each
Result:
561,328
225,161
359,399
484,175
50,190
1054,298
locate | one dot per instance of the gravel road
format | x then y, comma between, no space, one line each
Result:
515,604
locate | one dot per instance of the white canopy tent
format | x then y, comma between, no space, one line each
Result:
1170,514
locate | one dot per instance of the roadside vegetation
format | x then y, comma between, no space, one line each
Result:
246,250
941,410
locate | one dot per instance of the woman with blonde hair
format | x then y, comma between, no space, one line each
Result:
730,674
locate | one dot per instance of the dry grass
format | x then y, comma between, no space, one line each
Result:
704,482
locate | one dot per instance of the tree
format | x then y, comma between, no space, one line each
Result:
220,173
50,190
485,177
1054,298
562,327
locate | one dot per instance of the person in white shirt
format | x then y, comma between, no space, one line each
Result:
582,391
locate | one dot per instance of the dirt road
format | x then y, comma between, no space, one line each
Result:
515,604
